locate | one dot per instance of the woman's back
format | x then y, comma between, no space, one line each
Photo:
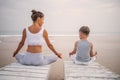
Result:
34,37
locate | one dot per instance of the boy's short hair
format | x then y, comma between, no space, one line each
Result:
85,30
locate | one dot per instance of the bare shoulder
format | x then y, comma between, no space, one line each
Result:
76,42
44,31
24,31
24,34
45,34
91,44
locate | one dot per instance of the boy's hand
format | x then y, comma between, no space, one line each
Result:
59,55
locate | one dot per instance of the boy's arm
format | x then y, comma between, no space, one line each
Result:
91,50
75,48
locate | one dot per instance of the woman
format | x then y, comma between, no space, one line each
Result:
34,35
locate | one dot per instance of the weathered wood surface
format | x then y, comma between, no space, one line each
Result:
93,71
16,71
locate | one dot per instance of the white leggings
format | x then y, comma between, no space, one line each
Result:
35,59
73,58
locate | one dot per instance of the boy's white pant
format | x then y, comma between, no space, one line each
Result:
35,58
73,58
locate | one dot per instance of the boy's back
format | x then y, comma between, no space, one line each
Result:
83,51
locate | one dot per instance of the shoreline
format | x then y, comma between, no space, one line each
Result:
66,35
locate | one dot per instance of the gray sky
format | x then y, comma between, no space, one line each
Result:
61,16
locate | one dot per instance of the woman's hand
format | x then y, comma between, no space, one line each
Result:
14,54
70,53
59,55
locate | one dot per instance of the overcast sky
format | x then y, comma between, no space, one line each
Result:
61,16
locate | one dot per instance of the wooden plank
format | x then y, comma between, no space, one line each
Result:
24,70
93,71
16,71
19,78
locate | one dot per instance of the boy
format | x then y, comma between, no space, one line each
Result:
83,49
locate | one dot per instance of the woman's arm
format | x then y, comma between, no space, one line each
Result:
21,42
45,35
74,50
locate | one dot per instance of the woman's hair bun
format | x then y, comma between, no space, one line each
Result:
35,14
34,11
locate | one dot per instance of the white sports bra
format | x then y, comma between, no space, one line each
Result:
34,38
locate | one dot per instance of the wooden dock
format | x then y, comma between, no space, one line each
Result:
93,71
16,71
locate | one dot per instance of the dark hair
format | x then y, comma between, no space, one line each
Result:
36,14
85,30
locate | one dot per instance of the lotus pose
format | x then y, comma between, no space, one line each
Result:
83,49
34,36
